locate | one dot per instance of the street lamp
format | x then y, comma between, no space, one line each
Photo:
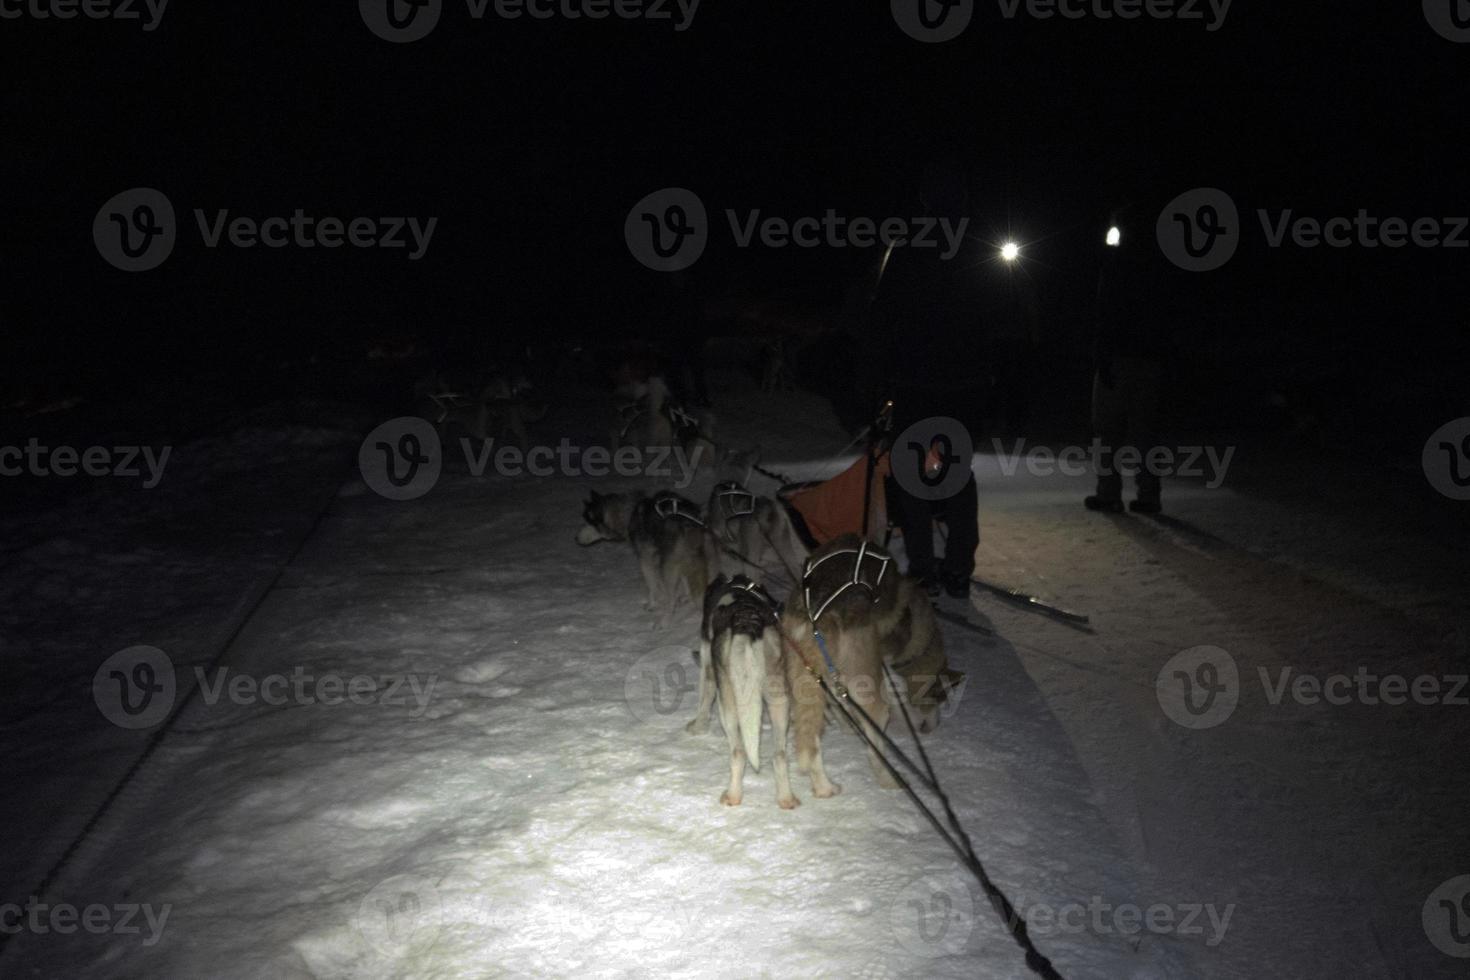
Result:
1010,251
1114,236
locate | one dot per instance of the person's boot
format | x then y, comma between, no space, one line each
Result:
1106,505
956,586
1146,505
930,583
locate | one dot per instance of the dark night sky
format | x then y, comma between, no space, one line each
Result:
530,140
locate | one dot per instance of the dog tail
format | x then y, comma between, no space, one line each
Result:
747,662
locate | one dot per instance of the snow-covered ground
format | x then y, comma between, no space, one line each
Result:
513,794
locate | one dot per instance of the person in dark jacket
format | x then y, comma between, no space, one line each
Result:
1134,322
927,310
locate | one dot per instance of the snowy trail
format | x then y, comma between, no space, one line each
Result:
554,824
516,795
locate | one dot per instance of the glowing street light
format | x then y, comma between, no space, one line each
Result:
1114,236
1010,251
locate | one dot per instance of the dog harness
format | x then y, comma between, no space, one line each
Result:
628,414
735,501
447,401
672,506
685,425
861,552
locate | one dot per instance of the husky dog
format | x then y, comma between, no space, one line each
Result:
668,537
754,527
653,418
741,657
497,408
866,614
510,401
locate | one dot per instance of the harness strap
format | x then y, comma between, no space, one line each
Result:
666,507
745,508
448,400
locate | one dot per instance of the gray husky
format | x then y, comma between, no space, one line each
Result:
742,659
752,530
668,536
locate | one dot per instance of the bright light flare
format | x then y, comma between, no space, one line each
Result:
1010,251
1114,236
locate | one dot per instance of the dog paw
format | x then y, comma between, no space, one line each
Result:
729,800
825,792
699,726
787,802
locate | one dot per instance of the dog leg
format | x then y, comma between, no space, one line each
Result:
650,583
730,719
668,594
699,724
809,717
878,711
779,705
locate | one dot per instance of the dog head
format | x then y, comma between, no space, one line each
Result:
929,696
604,518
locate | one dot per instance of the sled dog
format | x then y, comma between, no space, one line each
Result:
743,664
866,613
499,408
653,419
668,536
754,528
